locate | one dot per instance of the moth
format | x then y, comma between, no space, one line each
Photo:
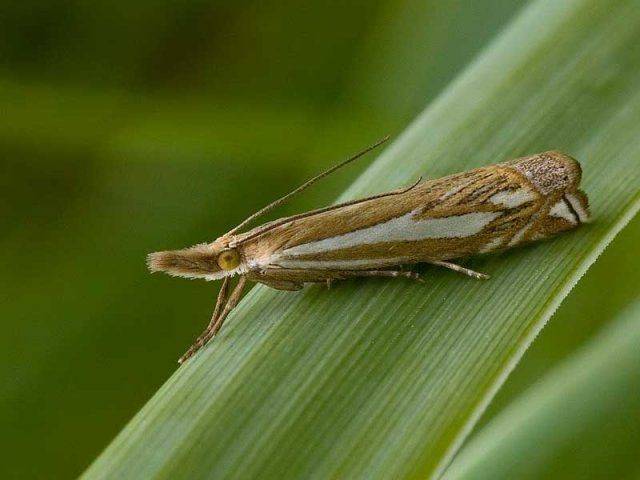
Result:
435,221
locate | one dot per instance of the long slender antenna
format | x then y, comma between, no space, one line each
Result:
306,185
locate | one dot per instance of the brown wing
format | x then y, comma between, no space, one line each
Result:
456,216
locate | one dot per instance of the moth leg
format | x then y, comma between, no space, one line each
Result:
231,304
382,273
219,316
222,297
281,285
458,268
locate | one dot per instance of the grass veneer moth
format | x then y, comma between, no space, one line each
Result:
435,221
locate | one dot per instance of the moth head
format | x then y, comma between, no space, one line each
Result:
210,261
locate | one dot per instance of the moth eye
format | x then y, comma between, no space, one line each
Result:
229,259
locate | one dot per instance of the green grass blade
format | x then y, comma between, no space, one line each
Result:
609,287
579,422
381,379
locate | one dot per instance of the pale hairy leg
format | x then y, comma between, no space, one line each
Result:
458,268
220,313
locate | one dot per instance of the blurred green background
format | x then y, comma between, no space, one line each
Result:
128,128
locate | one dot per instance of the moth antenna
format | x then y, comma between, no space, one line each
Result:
305,185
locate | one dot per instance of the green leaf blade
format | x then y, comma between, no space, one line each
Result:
382,379
566,425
